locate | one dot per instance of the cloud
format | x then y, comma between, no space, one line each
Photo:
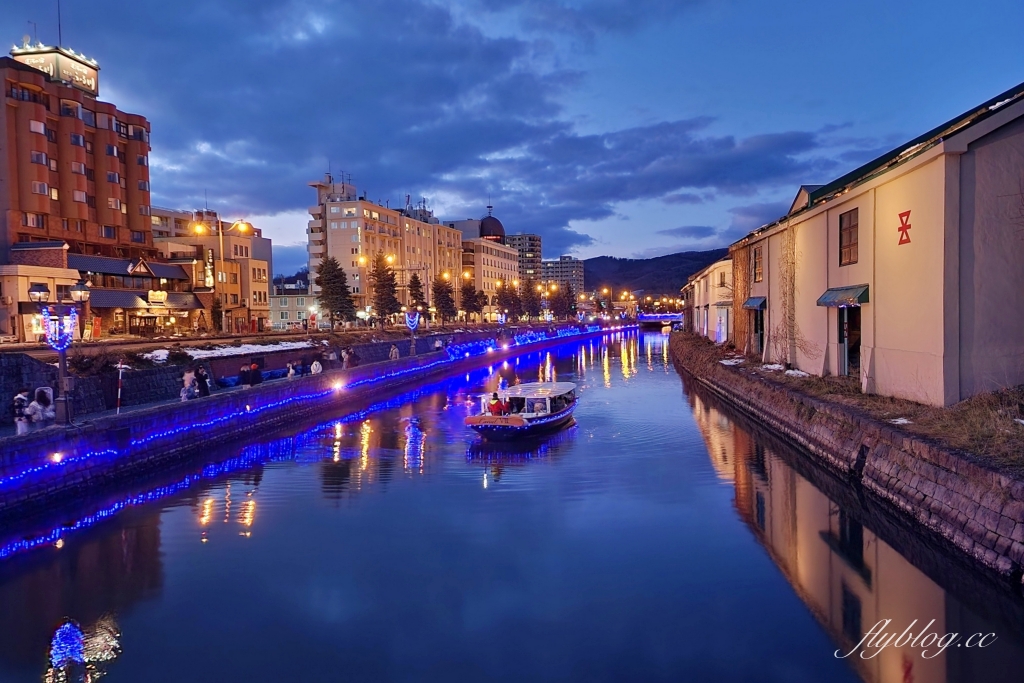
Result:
434,106
752,216
693,231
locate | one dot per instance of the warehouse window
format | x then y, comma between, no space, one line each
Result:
758,264
848,238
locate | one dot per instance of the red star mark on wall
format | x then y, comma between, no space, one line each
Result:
904,227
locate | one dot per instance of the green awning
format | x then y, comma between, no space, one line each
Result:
844,297
756,302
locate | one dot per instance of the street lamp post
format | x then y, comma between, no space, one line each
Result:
59,337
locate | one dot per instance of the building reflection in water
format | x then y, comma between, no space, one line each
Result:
848,577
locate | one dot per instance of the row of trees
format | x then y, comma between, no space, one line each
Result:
337,301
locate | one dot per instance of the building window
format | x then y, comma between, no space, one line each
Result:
138,236
335,209
35,220
77,140
113,203
721,278
234,297
111,150
79,226
54,194
39,158
78,167
108,231
144,185
300,301
145,210
284,303
113,177
37,127
78,196
39,188
234,279
91,201
848,238
53,165
758,263
284,315
142,160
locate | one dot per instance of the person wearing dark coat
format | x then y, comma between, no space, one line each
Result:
243,376
203,381
255,376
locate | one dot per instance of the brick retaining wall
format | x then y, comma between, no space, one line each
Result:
973,506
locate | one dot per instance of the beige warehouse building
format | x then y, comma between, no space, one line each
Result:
905,273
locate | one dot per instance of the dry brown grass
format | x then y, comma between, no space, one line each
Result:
985,425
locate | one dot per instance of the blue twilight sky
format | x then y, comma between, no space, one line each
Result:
620,127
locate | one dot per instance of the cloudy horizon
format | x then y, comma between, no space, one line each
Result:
629,129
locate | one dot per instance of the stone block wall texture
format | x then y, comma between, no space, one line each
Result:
58,462
973,506
18,370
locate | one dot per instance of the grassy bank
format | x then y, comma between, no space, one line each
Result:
988,426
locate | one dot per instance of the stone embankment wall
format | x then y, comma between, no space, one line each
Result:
973,506
67,462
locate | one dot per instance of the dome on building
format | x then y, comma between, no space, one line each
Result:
491,228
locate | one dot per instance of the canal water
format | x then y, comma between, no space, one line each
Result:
655,540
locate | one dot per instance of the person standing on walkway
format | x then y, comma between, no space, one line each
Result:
22,422
344,359
41,412
203,381
291,370
243,376
316,368
255,375
394,353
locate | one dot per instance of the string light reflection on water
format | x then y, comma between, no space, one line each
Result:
643,543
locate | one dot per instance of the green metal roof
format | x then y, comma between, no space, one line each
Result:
844,297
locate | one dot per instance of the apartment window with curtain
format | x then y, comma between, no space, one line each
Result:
848,238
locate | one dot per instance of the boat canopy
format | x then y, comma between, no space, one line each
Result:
539,389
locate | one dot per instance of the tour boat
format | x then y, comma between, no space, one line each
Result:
533,408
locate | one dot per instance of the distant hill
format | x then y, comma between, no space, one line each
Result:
660,275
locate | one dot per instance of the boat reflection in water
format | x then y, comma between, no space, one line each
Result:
522,450
848,576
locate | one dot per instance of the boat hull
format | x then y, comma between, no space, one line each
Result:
511,427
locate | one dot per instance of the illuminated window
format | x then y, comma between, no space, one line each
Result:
35,220
54,194
37,127
848,238
758,263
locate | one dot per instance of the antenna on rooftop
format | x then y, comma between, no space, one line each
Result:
60,37
35,31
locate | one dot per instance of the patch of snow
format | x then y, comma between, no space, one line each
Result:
997,105
160,355
731,361
797,373
900,421
772,367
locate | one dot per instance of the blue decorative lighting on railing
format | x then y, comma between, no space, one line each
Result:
60,461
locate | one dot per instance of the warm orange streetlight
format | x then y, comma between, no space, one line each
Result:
554,286
539,288
389,258
446,276
362,262
604,291
465,274
515,283
497,283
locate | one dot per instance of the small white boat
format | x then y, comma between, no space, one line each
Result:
532,408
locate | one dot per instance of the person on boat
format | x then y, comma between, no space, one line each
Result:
495,406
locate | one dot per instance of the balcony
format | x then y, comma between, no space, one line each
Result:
316,248
316,223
